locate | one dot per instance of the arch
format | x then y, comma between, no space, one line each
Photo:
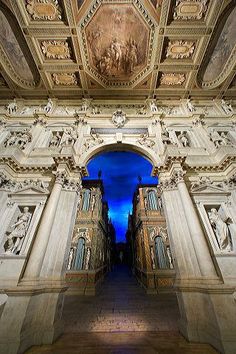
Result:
147,153
79,259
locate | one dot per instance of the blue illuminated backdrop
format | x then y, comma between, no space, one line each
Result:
120,171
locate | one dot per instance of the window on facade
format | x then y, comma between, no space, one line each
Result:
161,256
152,200
86,200
79,260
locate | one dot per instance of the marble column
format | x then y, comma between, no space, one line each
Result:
201,248
40,244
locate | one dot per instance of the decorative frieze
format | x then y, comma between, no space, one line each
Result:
14,186
146,141
180,49
19,139
56,49
94,140
172,79
190,9
47,10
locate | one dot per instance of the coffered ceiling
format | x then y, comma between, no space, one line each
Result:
131,49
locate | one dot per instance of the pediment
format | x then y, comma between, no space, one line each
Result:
30,190
207,188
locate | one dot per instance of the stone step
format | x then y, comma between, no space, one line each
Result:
123,343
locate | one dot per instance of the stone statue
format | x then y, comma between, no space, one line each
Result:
146,141
12,107
153,107
159,203
16,238
227,107
190,106
166,138
216,138
224,139
87,258
48,107
183,139
71,257
169,257
69,137
221,230
55,140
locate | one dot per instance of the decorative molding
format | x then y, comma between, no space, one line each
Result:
146,141
94,140
190,9
65,79
47,10
56,49
14,186
180,49
19,139
119,118
172,79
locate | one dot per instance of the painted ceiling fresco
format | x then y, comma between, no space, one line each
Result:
13,50
130,49
117,47
223,48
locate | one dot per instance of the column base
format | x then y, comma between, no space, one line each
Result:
28,319
209,317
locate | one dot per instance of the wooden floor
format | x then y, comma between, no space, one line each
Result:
122,319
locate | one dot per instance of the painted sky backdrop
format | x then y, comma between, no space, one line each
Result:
120,171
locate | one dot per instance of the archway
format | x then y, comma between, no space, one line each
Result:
120,283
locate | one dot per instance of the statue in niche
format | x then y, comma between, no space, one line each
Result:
216,138
169,257
55,140
48,107
71,258
166,140
183,138
69,137
227,107
12,107
221,230
87,258
16,238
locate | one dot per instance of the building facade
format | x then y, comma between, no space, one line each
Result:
148,238
92,241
